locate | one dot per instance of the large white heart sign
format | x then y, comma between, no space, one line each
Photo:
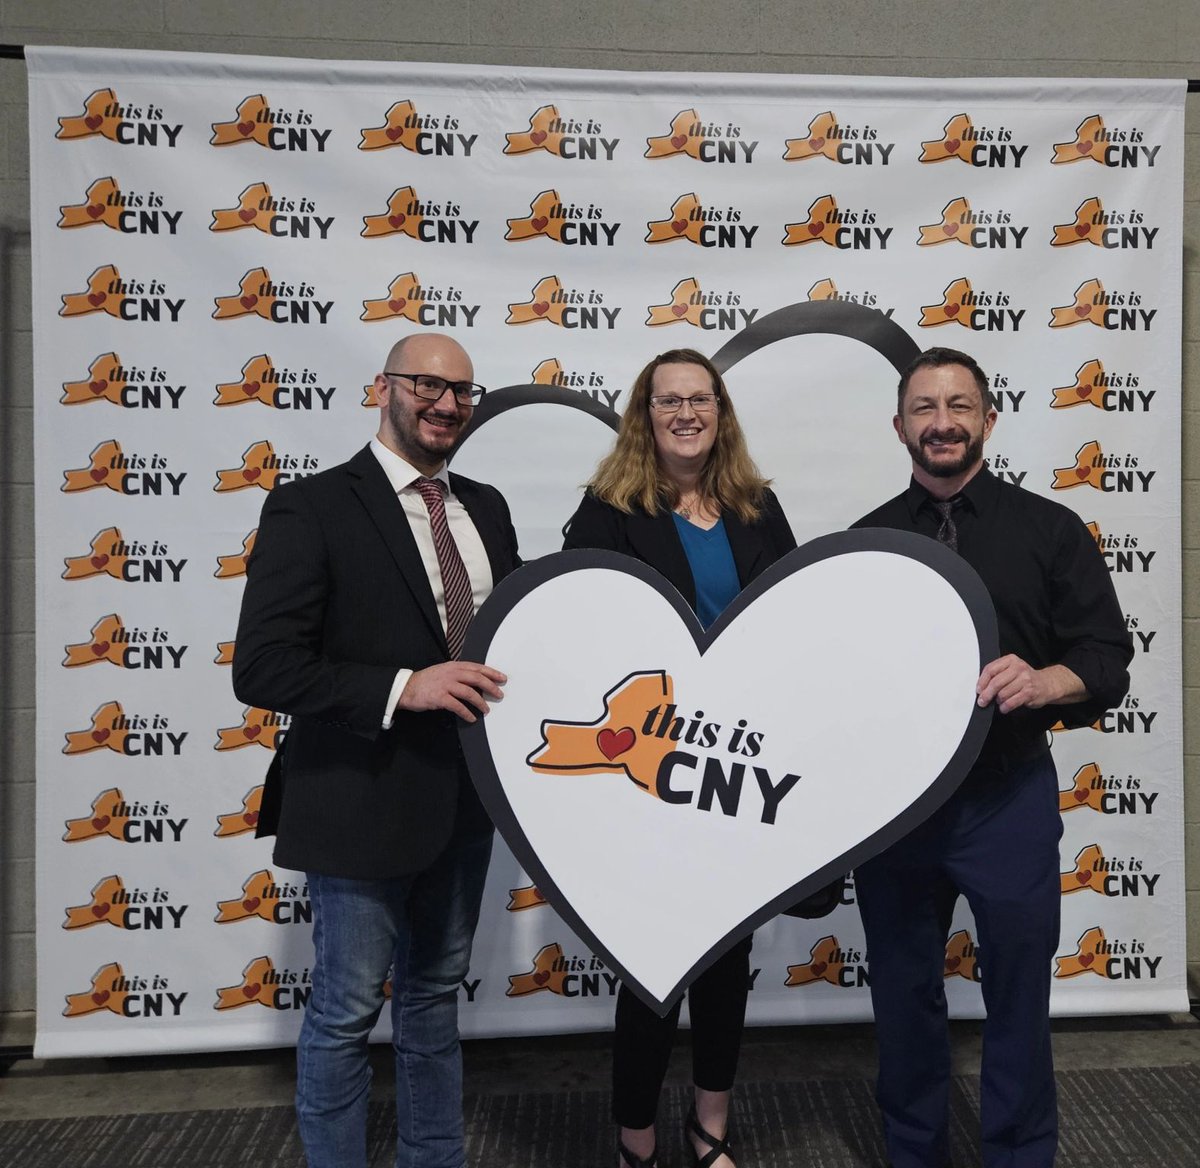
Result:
668,789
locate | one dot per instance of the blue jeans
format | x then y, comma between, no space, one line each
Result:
421,926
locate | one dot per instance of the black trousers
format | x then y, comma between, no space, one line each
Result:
996,844
642,1040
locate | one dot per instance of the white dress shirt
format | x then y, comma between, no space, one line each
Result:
402,475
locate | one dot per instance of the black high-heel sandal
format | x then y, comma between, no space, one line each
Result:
717,1147
633,1161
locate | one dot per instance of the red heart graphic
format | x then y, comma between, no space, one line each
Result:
1081,229
1085,959
250,388
1081,472
100,910
100,997
952,144
1081,310
252,731
816,143
952,963
615,742
100,648
95,210
1083,391
101,822
679,141
1083,147
251,991
396,305
814,229
100,735
397,220
1083,877
952,309
251,817
98,473
541,307
245,129
538,137
541,978
679,226
394,133
251,904
97,387
94,122
99,561
1081,796
248,302
251,473
539,224
246,214
679,309
819,967
950,228
97,298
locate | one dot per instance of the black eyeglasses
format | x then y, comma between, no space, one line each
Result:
429,387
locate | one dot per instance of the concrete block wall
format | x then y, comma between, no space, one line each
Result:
1154,38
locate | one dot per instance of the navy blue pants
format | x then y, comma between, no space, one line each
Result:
996,843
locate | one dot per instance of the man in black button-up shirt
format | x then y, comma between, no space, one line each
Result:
1064,656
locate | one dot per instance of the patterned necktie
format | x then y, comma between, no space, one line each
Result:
947,533
456,584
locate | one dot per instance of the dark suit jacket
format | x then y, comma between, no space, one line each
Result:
654,540
336,601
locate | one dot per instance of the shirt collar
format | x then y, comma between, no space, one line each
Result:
402,473
976,496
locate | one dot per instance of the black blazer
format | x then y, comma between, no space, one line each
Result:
654,540
336,601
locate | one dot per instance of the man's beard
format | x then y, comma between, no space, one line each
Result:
941,469
406,427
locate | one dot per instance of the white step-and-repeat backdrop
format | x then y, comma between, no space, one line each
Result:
226,247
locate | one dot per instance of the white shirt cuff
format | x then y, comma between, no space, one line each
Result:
402,676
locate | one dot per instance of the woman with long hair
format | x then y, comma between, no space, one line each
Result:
680,492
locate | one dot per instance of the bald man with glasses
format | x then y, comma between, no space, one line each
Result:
359,591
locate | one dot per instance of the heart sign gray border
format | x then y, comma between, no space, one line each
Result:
517,586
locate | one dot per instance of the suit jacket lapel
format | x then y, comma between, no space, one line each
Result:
655,540
499,553
370,484
747,547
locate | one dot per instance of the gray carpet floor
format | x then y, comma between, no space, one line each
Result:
1144,1117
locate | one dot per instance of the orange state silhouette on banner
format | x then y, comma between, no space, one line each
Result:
105,469
99,116
252,124
819,142
257,986
108,991
231,567
684,138
234,823
1087,227
545,218
545,303
1088,872
825,963
541,134
686,221
1088,469
685,305
955,225
102,203
255,209
257,383
105,907
260,896
957,141
400,128
957,296
1091,301
399,303
103,294
1089,142
821,224
402,217
1088,387
255,297
549,972
1089,956
105,643
1085,790
104,382
109,817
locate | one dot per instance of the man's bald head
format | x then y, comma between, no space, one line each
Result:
430,353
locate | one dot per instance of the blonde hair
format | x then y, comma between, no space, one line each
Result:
630,475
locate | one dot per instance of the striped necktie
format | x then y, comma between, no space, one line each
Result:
456,584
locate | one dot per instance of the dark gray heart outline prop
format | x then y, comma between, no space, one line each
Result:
841,318
517,586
